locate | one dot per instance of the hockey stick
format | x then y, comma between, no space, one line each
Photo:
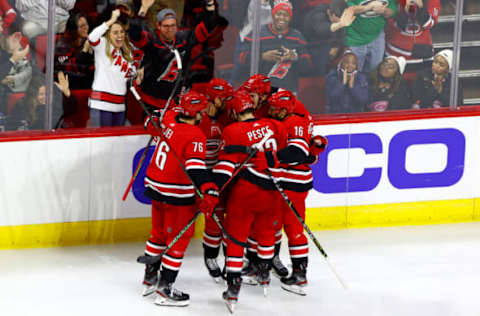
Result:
307,229
144,154
251,153
156,259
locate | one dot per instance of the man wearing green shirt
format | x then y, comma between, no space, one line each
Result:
365,36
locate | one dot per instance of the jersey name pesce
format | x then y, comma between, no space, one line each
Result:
258,134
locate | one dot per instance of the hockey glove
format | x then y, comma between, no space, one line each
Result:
210,198
318,145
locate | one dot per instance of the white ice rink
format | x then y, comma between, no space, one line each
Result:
405,271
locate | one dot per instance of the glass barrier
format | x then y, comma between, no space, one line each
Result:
330,53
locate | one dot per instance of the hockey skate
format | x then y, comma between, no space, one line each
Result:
249,273
279,270
169,296
150,279
263,276
213,269
297,282
230,296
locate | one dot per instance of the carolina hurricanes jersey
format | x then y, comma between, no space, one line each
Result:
282,74
110,78
248,133
294,176
165,179
212,129
407,30
161,69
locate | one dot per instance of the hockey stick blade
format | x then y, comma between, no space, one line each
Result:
305,226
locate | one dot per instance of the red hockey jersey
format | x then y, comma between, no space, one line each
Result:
181,143
294,176
248,133
212,129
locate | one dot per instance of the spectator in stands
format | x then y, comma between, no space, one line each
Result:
388,89
265,18
432,86
35,16
202,57
346,88
160,64
7,16
20,72
69,53
366,36
74,57
283,53
11,59
323,24
114,67
29,112
408,34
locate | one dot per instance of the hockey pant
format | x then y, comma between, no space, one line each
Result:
297,241
251,207
167,222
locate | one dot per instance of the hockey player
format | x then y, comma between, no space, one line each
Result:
296,180
252,201
173,194
259,88
218,91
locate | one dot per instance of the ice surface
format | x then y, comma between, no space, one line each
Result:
407,271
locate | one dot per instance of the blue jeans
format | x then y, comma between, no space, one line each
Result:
370,55
106,118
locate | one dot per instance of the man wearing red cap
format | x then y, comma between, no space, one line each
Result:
283,52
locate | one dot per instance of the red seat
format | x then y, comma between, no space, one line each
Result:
13,99
80,117
311,93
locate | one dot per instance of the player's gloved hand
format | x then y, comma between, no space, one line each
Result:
265,159
317,145
210,198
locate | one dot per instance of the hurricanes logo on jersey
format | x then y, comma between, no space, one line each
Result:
280,70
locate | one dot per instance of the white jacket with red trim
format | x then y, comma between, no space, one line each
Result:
110,79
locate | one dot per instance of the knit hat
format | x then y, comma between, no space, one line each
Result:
282,5
448,55
126,3
166,14
401,62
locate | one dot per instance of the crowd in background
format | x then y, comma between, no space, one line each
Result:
337,56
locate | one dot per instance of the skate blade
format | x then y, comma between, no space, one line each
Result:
265,290
231,305
249,280
162,301
299,290
148,289
218,280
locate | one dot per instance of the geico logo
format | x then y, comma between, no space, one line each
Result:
396,167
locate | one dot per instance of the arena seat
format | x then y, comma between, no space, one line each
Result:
13,98
82,113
